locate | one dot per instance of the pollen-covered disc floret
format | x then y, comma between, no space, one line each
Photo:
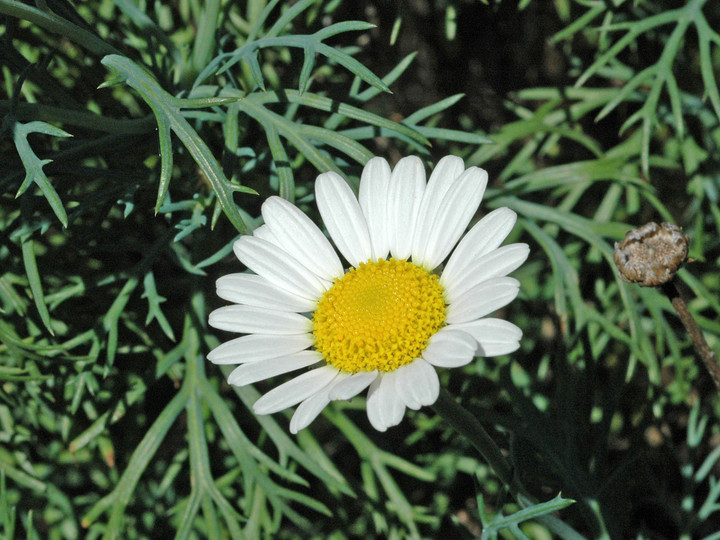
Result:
378,316
401,292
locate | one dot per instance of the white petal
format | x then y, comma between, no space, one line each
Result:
252,320
496,263
394,408
295,390
443,176
343,217
450,348
384,406
300,237
405,392
486,235
374,185
258,371
373,405
254,290
405,194
483,299
417,384
445,172
256,347
354,384
494,336
457,209
263,232
309,409
279,268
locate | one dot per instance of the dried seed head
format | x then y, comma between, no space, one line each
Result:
651,254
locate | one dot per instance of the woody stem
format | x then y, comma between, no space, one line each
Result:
703,349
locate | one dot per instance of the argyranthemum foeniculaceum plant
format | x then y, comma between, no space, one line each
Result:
389,320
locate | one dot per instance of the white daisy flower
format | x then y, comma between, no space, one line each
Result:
393,317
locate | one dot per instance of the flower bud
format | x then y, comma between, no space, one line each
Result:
652,254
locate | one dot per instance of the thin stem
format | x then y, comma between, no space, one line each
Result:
469,427
26,112
55,24
703,349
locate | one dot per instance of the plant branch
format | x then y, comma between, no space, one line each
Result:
693,329
469,427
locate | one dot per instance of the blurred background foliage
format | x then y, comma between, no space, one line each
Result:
139,139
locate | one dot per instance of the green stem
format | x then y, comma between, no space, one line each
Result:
469,427
204,43
47,20
26,112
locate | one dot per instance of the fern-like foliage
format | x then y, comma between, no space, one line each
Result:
174,137
185,116
618,32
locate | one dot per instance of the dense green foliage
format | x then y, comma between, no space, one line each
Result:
139,140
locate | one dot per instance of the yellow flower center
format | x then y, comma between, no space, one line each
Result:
379,315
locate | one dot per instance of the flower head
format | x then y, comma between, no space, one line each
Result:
393,317
652,254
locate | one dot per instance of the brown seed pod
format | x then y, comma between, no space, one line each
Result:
651,254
